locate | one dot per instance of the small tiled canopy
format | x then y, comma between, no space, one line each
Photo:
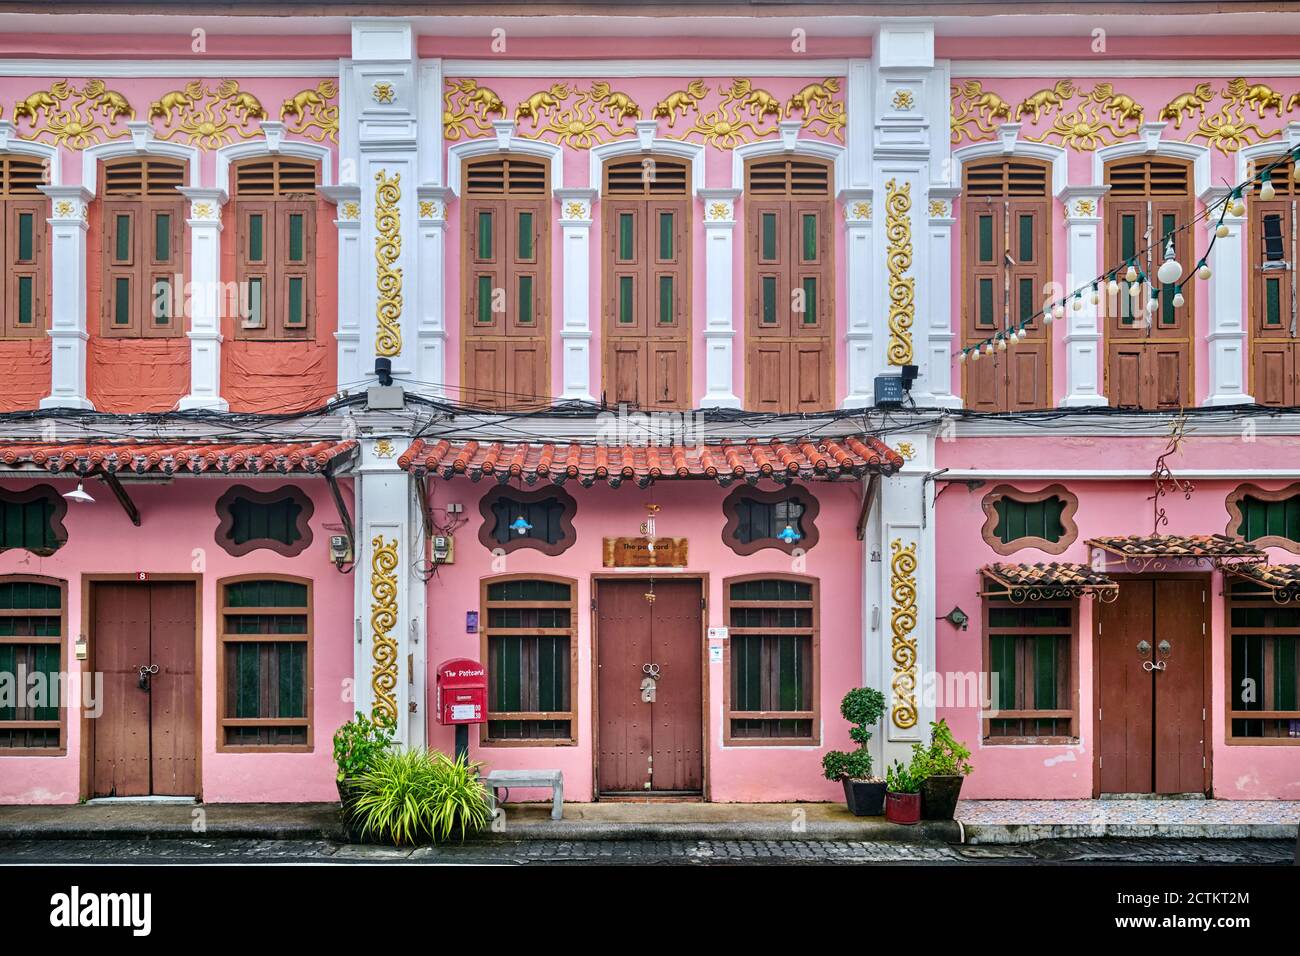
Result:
1045,581
1179,546
90,459
1281,580
726,462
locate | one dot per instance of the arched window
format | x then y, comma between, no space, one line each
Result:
33,629
264,663
790,295
275,236
646,225
506,229
1271,263
530,645
142,247
771,675
1148,355
23,247
1006,265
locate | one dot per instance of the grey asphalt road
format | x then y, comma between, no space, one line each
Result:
613,852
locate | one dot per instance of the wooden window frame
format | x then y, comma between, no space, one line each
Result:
813,715
61,640
987,603
1070,530
485,631
12,205
142,269
275,208
226,521
741,493
223,639
486,529
37,493
1281,338
1232,600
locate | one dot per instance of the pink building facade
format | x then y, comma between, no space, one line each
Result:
686,371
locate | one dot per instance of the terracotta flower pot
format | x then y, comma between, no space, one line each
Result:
865,798
903,807
939,796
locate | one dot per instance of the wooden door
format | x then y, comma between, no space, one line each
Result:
146,740
649,747
1180,755
1124,689
1274,369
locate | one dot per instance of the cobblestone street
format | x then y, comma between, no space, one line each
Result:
613,852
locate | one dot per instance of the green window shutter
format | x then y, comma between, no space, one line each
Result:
256,303
1273,301
122,301
1027,309
666,300
666,236
984,317
525,235
526,300
768,230
296,244
256,237
1029,519
484,314
810,300
25,233
25,315
297,316
122,238
768,316
626,237
162,237
1285,688
1002,663
1026,238
626,287
1045,651
484,234
985,238
809,237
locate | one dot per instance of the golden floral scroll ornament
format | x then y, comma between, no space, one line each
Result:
718,210
861,209
383,93
903,100
938,208
902,287
72,117
351,210
207,117
313,113
388,276
466,108
902,622
383,618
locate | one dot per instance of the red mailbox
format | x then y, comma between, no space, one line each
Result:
462,692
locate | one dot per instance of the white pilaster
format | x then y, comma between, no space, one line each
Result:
719,307
1083,333
347,335
860,272
205,299
431,332
575,324
939,297
1227,334
68,300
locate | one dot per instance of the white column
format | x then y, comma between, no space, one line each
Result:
68,299
431,326
1083,332
575,323
719,306
859,265
938,298
205,299
347,334
1227,335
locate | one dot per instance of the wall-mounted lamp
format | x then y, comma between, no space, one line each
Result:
79,495
957,618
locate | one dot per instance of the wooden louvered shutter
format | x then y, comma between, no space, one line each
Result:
1273,323
23,247
143,241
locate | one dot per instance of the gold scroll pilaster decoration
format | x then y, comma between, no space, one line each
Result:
388,277
75,118
313,113
383,618
902,622
208,117
902,287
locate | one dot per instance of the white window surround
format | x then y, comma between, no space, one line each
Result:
505,142
50,155
1267,151
1009,144
271,145
647,141
801,147
1151,144
142,143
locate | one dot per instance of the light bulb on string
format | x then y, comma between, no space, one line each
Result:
1179,301
1203,272
1002,344
1077,305
975,354
1266,190
1236,205
1058,311
1047,317
1112,287
1095,297
1132,273
1171,270
961,357
988,348
1221,230
1152,305
1135,289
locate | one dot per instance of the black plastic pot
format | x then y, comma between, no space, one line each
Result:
348,793
865,798
939,796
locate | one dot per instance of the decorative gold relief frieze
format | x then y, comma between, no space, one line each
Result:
902,623
1228,129
313,113
388,276
902,287
208,117
687,100
466,108
76,118
977,112
1189,103
383,618
596,115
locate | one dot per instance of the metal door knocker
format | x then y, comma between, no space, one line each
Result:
1143,648
147,671
649,682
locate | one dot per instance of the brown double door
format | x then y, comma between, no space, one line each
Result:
1151,648
145,740
650,746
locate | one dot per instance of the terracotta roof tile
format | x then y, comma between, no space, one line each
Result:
1177,546
1275,577
1052,576
723,462
170,458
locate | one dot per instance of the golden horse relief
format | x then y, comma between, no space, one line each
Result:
1189,103
684,100
1046,100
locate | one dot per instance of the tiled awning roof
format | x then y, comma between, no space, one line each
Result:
1178,547
1044,581
1283,580
588,463
87,459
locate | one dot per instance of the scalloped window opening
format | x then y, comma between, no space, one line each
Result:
1029,519
536,520
1269,519
764,520
265,521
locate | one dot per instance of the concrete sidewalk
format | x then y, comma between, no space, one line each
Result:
1023,821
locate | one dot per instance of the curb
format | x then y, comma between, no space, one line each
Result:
990,834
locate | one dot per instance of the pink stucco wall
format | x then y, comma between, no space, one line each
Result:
1105,508
692,510
176,536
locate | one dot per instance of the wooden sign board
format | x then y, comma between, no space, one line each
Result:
636,553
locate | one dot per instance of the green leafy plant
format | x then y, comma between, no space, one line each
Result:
359,743
418,795
862,707
899,779
944,757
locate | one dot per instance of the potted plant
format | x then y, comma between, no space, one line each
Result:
419,796
864,794
358,745
902,794
940,768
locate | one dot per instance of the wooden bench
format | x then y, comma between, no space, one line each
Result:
551,779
